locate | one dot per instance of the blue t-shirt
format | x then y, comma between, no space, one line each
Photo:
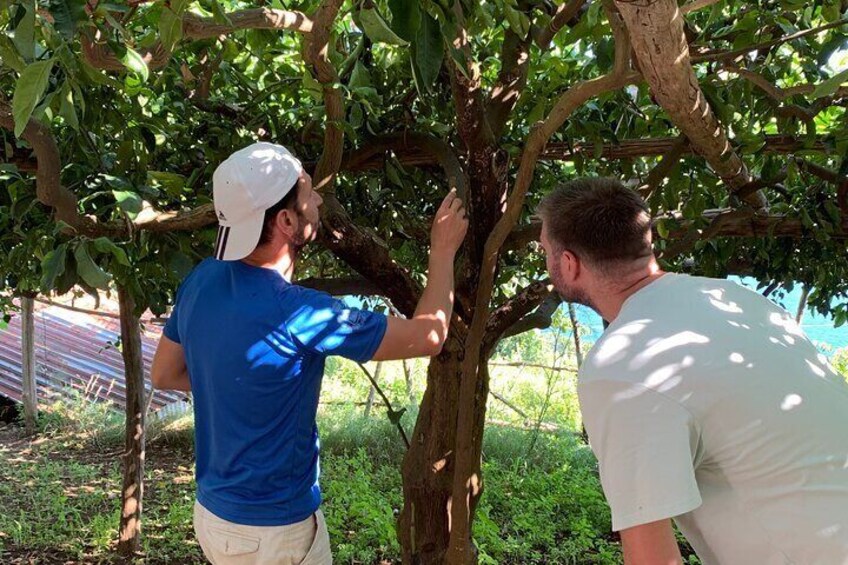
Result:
255,347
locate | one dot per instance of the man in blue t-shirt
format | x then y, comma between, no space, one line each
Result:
250,345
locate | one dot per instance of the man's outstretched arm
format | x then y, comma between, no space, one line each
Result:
424,334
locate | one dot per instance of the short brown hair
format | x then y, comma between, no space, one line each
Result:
271,214
599,220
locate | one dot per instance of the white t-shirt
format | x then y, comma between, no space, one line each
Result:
705,402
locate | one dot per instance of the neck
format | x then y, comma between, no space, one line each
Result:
280,258
612,295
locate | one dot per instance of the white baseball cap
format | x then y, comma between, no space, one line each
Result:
247,183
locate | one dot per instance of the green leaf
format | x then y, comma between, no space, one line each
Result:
406,18
831,10
376,28
360,76
129,202
132,60
366,92
312,86
66,108
62,227
357,116
593,14
662,229
806,220
180,264
79,99
831,85
518,21
66,281
88,270
833,211
171,24
28,91
66,14
538,111
753,145
173,183
52,266
25,31
170,28
106,245
9,55
392,173
97,76
429,51
460,60
218,14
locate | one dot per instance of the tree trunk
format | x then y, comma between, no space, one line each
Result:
369,403
428,467
578,353
30,391
575,331
133,486
407,375
802,304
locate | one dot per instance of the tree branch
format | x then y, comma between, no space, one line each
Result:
364,159
466,87
48,183
515,64
516,309
696,5
821,172
661,48
316,55
730,222
565,14
185,220
100,55
630,148
664,167
540,319
724,55
780,95
371,154
195,27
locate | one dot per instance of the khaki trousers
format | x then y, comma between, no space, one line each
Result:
226,543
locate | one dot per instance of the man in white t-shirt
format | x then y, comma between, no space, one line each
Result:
704,402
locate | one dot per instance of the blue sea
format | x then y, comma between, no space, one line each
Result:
818,328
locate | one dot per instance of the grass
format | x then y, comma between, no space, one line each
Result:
59,494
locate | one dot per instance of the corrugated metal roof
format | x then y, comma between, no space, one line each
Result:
75,352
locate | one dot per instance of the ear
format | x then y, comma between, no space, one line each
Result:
286,222
569,266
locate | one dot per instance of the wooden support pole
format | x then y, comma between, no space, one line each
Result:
30,391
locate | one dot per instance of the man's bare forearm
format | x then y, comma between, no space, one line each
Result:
436,303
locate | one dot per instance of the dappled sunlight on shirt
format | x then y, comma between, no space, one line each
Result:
705,402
